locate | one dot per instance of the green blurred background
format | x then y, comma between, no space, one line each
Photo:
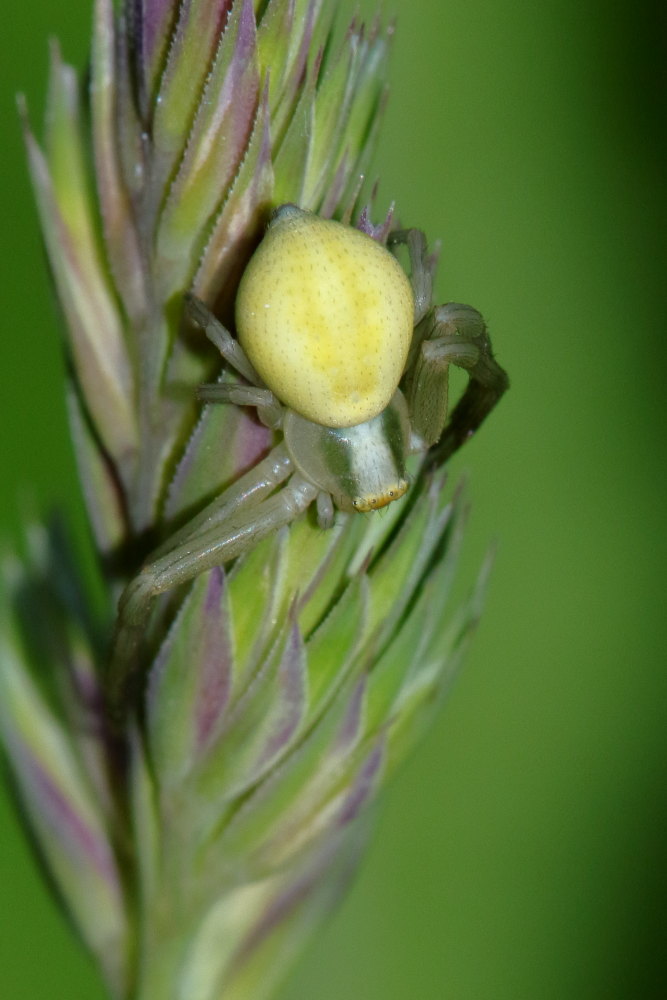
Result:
521,854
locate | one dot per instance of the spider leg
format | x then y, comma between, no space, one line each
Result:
249,489
421,267
242,528
228,346
234,392
325,510
269,410
456,334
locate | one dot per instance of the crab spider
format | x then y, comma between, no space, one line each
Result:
329,327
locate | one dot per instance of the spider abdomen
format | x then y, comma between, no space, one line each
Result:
325,314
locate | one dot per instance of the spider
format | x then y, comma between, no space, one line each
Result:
329,327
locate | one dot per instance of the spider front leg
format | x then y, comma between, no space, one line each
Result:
208,545
452,334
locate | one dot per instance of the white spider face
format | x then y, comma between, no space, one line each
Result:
362,467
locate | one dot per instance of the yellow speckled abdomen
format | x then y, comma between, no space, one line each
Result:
325,315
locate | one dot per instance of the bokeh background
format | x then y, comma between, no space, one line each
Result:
521,854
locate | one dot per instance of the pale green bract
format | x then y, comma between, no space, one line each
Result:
197,842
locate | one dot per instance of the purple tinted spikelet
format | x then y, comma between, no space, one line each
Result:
199,840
